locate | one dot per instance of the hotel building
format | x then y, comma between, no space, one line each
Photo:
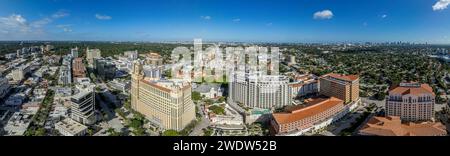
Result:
411,102
316,113
344,87
166,103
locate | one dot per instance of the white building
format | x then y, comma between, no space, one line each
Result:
260,91
83,105
74,52
131,55
69,127
210,91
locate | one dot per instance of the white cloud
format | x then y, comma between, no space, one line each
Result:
13,24
65,27
441,5
41,23
236,20
205,17
365,24
322,15
383,16
60,14
103,17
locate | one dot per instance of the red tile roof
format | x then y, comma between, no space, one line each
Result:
404,90
392,126
312,107
343,77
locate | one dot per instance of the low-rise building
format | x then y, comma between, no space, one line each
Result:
123,86
210,91
231,117
69,127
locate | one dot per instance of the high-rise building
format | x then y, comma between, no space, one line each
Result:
74,52
4,87
344,87
260,91
131,55
152,71
92,54
411,102
78,68
65,72
20,72
83,104
154,59
105,68
166,103
65,77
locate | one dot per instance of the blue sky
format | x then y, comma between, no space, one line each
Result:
227,20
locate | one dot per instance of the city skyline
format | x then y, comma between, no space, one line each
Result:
249,21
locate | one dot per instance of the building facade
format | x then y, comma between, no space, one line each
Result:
304,117
74,52
344,87
92,54
4,87
411,102
393,126
83,105
166,103
69,127
78,68
105,68
154,59
260,91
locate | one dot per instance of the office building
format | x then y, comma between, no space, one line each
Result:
83,104
315,114
260,91
344,87
393,126
74,52
4,87
78,68
411,102
131,55
105,69
166,103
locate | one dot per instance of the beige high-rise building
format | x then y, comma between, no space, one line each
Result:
344,87
411,102
92,54
166,103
